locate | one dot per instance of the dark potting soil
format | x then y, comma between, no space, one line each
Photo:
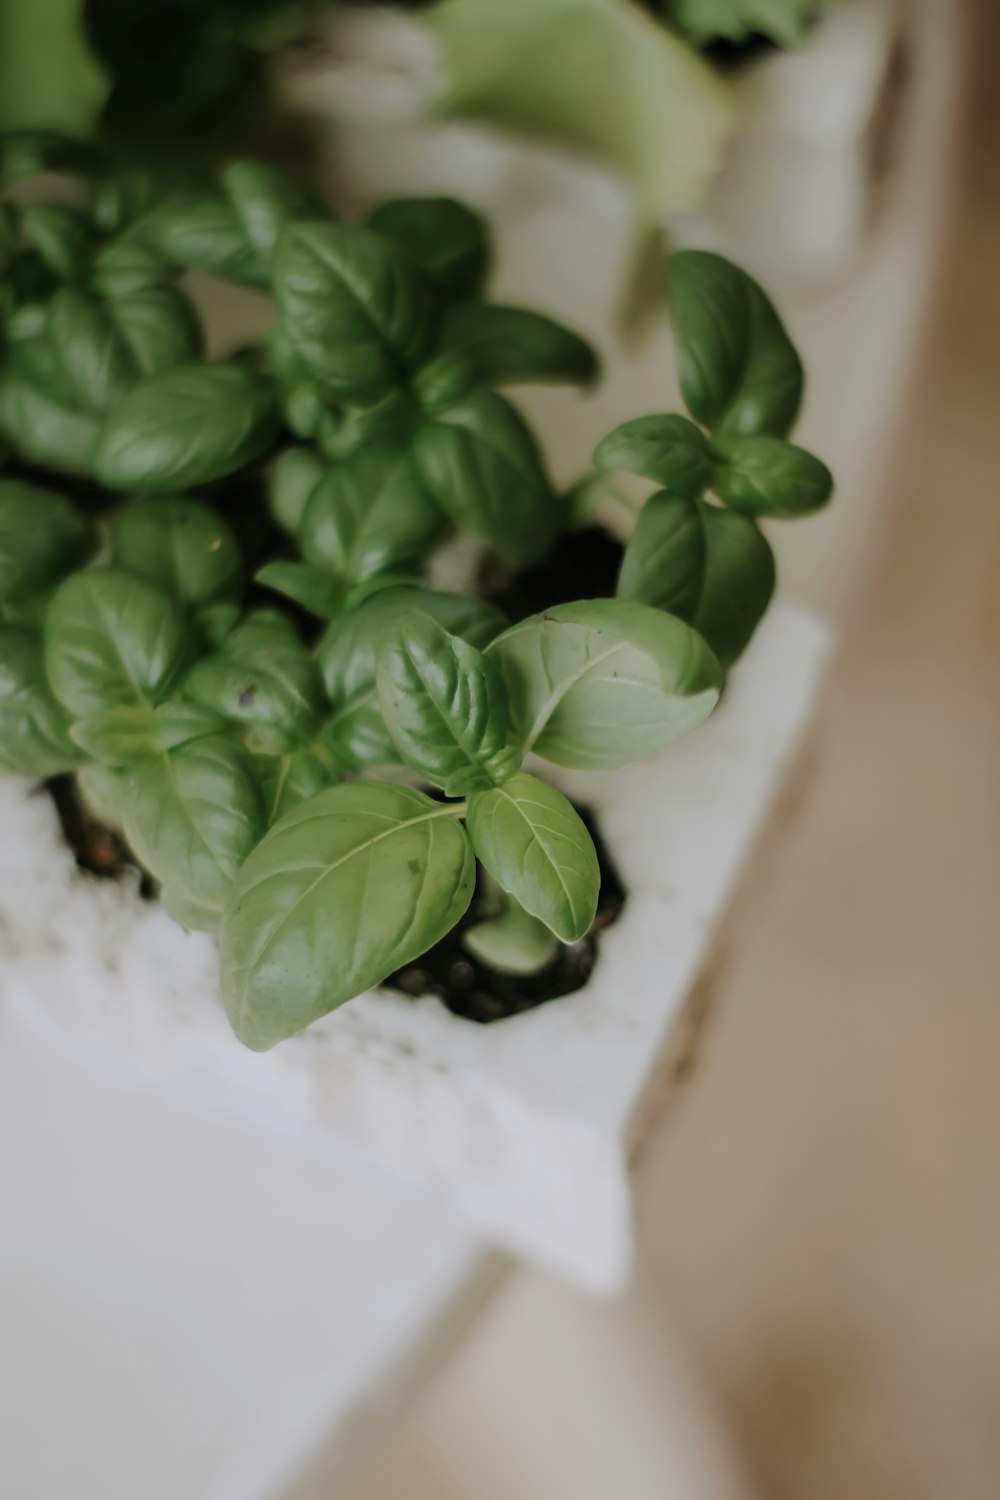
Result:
98,849
472,989
582,565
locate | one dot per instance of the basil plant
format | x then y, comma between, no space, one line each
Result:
213,598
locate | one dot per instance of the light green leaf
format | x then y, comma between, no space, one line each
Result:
115,736
513,346
738,369
600,75
111,640
481,463
604,682
534,844
34,727
43,536
356,310
669,450
184,546
711,567
294,475
49,77
513,942
314,589
765,476
192,816
187,426
447,241
348,887
445,706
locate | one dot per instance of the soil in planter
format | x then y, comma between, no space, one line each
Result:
582,565
98,849
472,989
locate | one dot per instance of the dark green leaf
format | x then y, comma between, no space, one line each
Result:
34,727
603,682
126,266
370,514
481,464
710,566
25,153
348,657
184,546
512,346
43,536
106,346
294,475
738,370
445,706
201,231
669,450
316,590
264,202
41,428
765,476
264,678
448,242
287,780
63,237
356,310
111,640
536,847
187,426
193,816
343,890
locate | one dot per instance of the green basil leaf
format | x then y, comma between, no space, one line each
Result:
513,346
316,590
123,195
445,706
356,310
711,567
177,723
736,21
345,889
41,428
669,450
201,231
481,464
182,545
264,678
392,421
287,780
370,514
10,229
193,816
63,237
445,381
103,791
348,655
213,622
111,640
534,844
513,942
34,727
604,682
105,347
187,426
125,267
765,476
738,369
115,736
43,536
448,241
264,201
294,475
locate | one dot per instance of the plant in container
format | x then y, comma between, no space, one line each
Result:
327,764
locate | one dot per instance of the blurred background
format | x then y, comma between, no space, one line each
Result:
818,1298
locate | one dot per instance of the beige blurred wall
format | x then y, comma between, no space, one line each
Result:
822,1215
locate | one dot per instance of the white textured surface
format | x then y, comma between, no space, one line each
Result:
524,1121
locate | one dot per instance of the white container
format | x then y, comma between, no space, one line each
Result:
525,1123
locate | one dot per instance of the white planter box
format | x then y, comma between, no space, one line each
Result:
526,1123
